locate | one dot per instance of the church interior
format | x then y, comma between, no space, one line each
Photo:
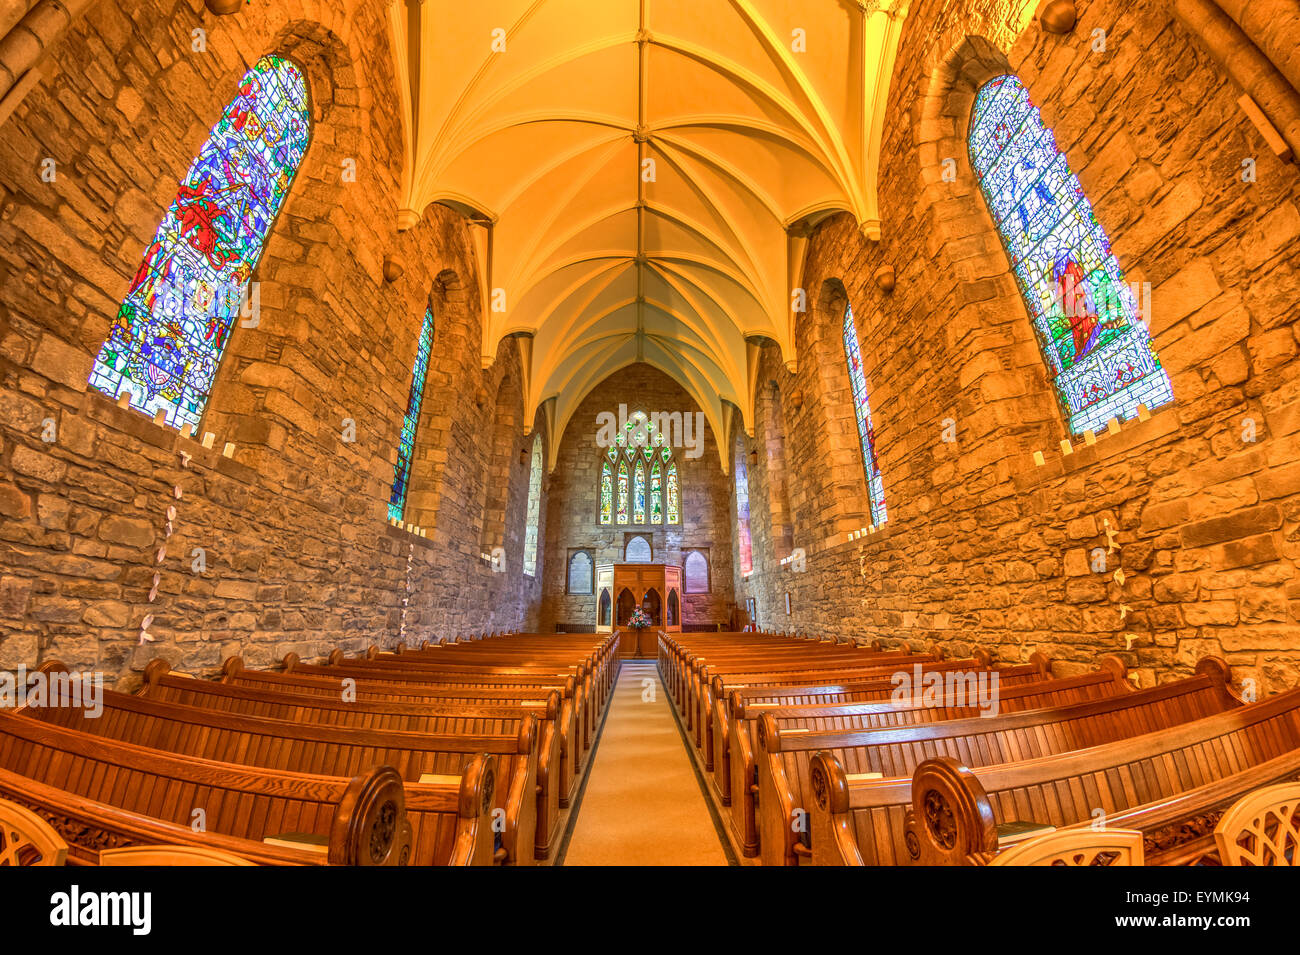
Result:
649,433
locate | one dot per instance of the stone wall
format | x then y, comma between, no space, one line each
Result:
574,504
293,529
982,546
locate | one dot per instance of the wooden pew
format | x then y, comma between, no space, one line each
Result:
428,718
101,794
736,772
1171,785
374,690
425,676
326,750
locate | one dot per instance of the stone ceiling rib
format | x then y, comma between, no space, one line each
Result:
545,141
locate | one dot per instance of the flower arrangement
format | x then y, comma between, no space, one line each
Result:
639,619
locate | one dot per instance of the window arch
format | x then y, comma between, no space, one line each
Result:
695,573
637,550
166,343
534,508
639,471
862,412
1085,315
411,420
581,572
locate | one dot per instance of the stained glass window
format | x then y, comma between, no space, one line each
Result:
862,411
606,493
622,492
1084,313
642,461
656,495
742,511
411,422
673,496
167,340
638,494
534,508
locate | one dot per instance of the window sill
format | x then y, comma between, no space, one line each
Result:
135,423
400,532
1132,436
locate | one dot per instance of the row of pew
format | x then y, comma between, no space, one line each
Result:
835,752
455,753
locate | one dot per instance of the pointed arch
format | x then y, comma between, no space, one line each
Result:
656,494
1085,316
170,334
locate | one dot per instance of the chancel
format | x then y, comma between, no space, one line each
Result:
649,432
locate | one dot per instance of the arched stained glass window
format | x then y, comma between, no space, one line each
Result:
638,494
742,510
606,493
411,421
656,495
534,508
862,411
1084,313
622,492
640,458
167,340
673,497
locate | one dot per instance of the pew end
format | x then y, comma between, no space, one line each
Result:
951,820
370,827
829,821
231,667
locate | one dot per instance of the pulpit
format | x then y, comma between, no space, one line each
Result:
655,588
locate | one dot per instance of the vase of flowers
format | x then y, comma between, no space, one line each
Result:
638,622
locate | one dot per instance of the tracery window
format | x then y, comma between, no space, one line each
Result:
411,420
639,483
862,412
1085,315
166,343
534,508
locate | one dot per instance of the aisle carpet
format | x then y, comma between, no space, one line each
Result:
642,804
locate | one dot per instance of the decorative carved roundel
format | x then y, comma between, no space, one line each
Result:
939,819
489,788
382,831
819,787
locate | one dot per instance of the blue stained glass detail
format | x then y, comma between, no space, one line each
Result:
167,340
862,411
406,444
1085,315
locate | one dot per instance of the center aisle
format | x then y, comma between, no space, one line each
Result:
642,804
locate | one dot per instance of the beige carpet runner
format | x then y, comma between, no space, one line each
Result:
642,804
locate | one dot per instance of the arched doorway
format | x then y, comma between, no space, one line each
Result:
653,606
626,604
674,609
606,605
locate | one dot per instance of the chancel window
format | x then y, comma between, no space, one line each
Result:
639,482
1084,314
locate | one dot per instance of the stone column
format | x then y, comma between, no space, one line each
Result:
35,26
1274,26
1245,65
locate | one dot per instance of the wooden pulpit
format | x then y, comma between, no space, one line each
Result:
655,588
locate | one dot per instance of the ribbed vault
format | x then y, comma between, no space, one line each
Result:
643,173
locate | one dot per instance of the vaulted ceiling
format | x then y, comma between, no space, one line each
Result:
642,174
